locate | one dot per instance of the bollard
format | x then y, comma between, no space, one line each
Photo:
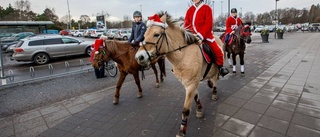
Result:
82,64
10,76
32,74
67,66
50,68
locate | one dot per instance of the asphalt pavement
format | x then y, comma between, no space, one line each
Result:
278,96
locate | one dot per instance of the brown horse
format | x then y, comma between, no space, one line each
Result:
237,46
180,48
123,54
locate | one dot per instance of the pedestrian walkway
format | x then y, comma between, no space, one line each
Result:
279,96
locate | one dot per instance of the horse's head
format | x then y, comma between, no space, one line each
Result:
246,33
101,56
155,39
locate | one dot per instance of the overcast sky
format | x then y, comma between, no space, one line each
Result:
177,8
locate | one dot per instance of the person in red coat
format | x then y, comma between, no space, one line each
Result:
232,23
199,20
99,72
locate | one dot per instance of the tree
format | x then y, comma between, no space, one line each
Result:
248,17
50,13
85,19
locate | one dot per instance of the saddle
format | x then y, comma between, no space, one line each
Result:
208,57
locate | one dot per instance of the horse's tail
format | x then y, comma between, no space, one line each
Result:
162,66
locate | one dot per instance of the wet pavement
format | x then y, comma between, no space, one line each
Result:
278,96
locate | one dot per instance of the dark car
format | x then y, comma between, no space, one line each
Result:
6,46
15,37
315,27
64,32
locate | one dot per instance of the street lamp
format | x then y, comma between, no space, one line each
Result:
228,7
275,19
69,14
221,8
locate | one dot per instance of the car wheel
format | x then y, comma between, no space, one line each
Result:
88,51
41,58
125,38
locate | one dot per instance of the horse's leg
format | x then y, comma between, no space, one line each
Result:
137,80
214,90
229,60
162,67
234,70
241,56
153,66
190,94
121,79
199,113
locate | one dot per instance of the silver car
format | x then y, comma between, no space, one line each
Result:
111,33
43,48
123,34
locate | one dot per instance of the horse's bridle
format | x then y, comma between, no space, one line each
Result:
243,33
163,36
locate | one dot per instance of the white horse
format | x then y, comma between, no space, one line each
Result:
189,66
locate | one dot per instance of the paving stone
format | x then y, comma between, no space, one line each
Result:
77,108
283,105
249,89
87,131
163,134
267,93
56,115
235,101
307,96
308,111
310,103
220,119
26,116
300,131
261,99
6,122
73,101
227,109
243,95
263,132
55,122
307,121
64,126
274,124
51,108
287,98
30,124
7,131
279,113
238,127
255,107
32,132
248,116
271,88
52,133
223,133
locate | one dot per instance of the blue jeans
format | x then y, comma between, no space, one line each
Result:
227,38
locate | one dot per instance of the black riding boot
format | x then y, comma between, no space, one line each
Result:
223,71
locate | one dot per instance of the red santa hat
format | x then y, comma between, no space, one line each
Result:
98,44
155,20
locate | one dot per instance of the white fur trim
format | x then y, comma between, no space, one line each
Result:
242,68
200,36
234,68
151,22
97,52
211,40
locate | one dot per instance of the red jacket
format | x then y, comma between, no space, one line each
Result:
232,24
199,20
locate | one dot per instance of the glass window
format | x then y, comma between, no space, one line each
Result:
36,43
53,41
68,40
20,43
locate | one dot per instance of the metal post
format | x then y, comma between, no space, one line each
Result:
3,79
69,14
221,9
228,7
275,24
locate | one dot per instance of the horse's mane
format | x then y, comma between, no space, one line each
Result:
188,35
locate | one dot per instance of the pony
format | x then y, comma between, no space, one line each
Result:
123,54
237,46
181,49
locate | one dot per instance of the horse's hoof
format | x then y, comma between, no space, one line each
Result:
161,80
157,85
180,135
214,97
231,66
115,101
199,114
242,74
139,95
210,84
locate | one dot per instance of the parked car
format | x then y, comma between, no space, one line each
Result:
64,32
123,34
111,33
15,37
96,33
315,27
3,35
41,49
71,32
78,33
87,33
270,28
6,46
259,29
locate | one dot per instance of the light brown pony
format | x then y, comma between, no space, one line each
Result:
123,54
179,47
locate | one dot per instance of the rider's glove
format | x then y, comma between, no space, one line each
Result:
198,39
232,32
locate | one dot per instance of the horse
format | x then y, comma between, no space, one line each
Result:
237,46
123,54
181,49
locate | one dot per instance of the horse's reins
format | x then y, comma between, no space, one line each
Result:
163,36
243,33
106,53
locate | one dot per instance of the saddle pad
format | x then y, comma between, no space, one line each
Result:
206,53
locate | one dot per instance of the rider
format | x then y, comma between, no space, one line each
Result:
232,23
199,20
99,72
138,30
